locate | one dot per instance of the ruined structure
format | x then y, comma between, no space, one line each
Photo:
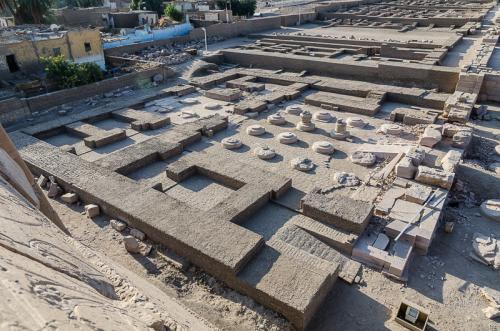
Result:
304,156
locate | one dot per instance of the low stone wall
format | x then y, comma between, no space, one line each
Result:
490,90
18,109
48,100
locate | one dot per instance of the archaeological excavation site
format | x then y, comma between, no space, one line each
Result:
309,165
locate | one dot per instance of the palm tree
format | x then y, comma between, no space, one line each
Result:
27,11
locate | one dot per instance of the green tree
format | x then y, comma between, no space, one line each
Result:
173,13
68,74
153,5
84,3
239,7
27,11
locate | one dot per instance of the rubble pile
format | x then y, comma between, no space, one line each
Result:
176,53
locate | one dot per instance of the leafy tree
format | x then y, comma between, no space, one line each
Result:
27,11
153,5
239,7
84,3
68,74
173,13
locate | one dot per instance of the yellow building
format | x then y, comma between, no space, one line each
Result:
22,47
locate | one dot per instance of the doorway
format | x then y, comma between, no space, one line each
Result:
12,63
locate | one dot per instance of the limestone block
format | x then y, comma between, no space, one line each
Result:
382,242
418,193
405,168
491,209
431,136
363,158
69,198
417,155
436,177
384,206
132,245
54,190
92,210
137,234
450,161
462,139
118,225
405,211
302,164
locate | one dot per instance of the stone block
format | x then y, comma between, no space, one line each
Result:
118,225
137,234
92,210
405,168
69,198
431,136
417,193
436,177
343,212
450,161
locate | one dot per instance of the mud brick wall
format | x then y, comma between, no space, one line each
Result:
225,30
69,95
13,110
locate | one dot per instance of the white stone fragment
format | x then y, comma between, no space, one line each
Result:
302,164
264,152
431,136
118,225
92,210
363,158
69,198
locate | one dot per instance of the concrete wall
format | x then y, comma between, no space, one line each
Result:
292,20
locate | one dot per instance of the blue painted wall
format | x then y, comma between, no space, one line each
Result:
141,36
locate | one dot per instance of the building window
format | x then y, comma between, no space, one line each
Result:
12,63
56,51
87,46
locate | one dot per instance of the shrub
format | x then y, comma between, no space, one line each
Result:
173,13
239,7
68,74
